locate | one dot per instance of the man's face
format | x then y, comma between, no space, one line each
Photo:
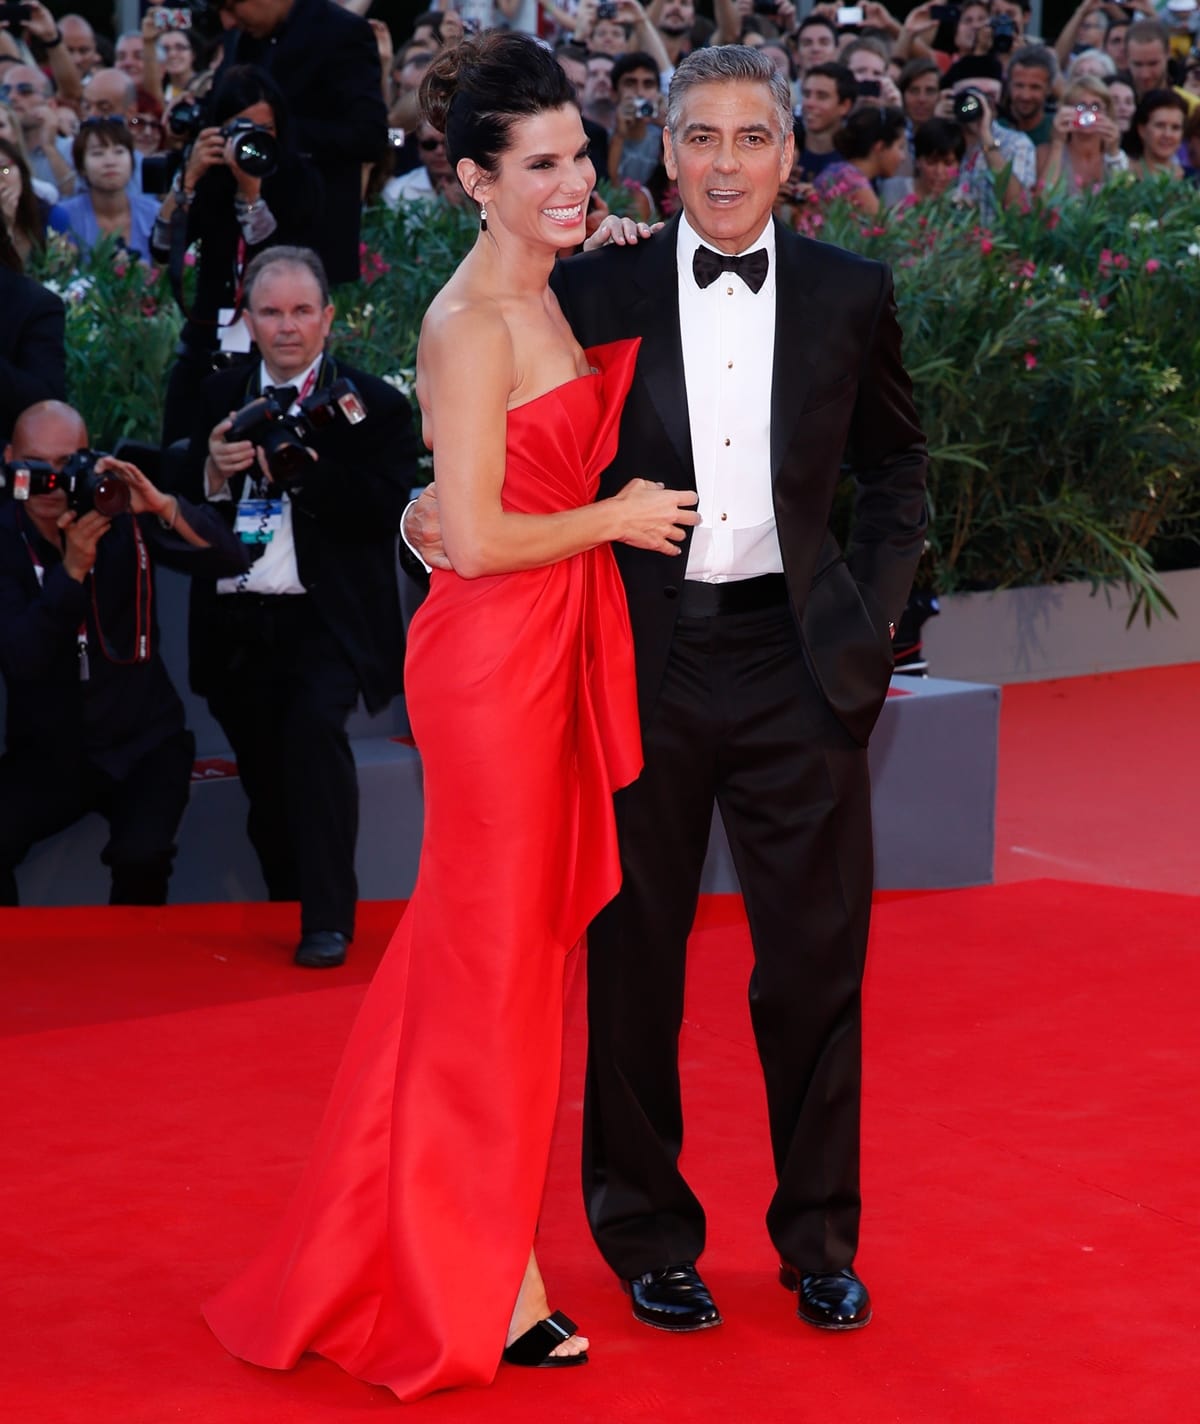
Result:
287,320
1114,43
638,84
52,436
1147,64
866,65
598,88
678,17
816,45
728,160
920,98
258,18
129,58
27,89
80,42
1027,90
823,110
432,147
106,96
608,37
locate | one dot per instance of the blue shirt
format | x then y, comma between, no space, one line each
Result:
77,218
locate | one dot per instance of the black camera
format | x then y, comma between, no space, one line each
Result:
1003,32
766,7
869,89
255,149
284,438
968,106
106,493
16,15
644,109
186,119
606,10
945,14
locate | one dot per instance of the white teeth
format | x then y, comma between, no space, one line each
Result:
564,214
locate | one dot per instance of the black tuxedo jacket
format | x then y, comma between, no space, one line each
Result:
345,522
327,63
840,395
33,358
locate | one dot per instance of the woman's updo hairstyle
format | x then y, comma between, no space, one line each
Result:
476,92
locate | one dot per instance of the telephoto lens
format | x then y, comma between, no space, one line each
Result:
255,149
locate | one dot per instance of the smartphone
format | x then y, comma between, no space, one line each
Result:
176,19
849,16
869,89
945,14
16,15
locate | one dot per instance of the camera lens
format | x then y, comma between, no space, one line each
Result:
256,153
968,108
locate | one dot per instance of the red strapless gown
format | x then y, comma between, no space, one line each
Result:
402,1253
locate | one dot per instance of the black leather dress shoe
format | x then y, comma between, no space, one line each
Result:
830,1300
673,1299
322,949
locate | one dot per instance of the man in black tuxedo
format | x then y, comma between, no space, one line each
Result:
326,61
284,652
763,659
764,656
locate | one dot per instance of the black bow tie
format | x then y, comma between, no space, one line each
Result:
708,265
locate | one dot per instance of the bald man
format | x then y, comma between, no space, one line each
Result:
93,721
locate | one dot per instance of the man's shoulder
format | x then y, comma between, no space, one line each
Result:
376,392
826,263
328,18
22,296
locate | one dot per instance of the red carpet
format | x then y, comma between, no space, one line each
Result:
1033,1212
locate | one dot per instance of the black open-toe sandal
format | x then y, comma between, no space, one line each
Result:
533,1348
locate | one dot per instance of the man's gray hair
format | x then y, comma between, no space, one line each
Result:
728,64
285,257
1035,56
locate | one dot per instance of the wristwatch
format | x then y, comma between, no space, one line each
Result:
55,42
994,146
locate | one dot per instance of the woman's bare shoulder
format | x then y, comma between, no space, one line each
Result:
465,345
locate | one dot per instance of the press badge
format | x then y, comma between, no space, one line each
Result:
258,520
232,335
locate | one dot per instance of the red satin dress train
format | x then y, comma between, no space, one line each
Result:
401,1255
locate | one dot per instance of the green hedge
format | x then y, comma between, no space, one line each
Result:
1054,357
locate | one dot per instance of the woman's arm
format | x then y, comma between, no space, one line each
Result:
465,351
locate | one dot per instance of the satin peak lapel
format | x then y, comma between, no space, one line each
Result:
655,310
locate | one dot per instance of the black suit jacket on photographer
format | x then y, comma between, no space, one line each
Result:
33,358
294,193
346,515
327,63
126,707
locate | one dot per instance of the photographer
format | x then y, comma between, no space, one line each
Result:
326,63
93,721
1085,151
992,149
635,149
284,652
233,214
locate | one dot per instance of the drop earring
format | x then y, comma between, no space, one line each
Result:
483,217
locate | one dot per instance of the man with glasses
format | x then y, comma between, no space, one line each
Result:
27,92
433,179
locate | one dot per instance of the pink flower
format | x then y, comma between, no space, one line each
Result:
1106,259
1030,360
985,246
1121,262
1152,265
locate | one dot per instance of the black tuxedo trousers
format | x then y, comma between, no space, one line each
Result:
739,721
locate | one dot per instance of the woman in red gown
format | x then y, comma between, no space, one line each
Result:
406,1255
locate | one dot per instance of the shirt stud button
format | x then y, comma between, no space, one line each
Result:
727,440
724,517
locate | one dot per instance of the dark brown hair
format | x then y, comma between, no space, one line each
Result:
476,92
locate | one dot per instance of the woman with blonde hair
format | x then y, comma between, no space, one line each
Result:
1085,143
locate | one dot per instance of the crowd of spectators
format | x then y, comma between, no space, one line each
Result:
266,126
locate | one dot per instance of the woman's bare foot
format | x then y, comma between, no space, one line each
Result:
533,1306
